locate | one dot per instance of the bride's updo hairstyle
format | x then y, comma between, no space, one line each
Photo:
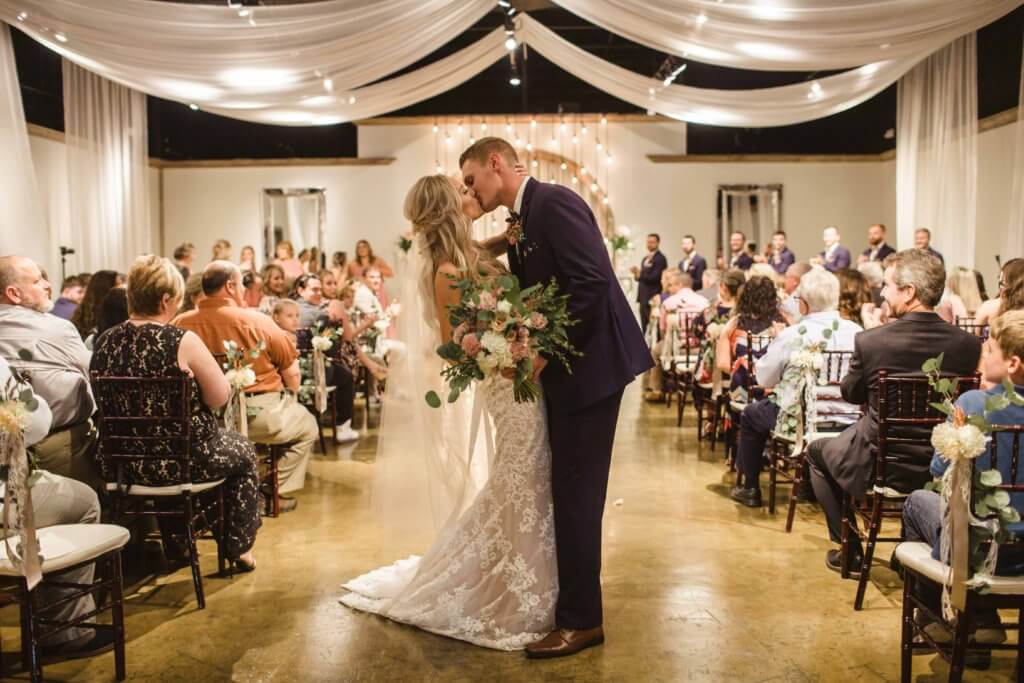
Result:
434,208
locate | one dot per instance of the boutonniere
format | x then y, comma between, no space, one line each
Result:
514,230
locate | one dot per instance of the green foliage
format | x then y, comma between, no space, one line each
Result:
433,400
405,244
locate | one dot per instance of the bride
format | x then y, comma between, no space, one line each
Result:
490,576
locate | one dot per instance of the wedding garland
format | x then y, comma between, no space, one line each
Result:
795,396
240,375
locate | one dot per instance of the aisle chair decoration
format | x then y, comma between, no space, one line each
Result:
708,380
315,370
239,373
960,440
795,394
17,470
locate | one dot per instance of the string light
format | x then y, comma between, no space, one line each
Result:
529,146
329,86
574,181
459,128
435,128
583,130
483,126
604,120
193,107
533,123
534,163
22,16
351,99
593,187
599,146
510,43
702,19
564,166
61,37
440,169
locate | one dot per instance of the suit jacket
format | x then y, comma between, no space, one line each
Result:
698,264
743,261
901,346
936,254
883,252
561,240
840,259
649,281
785,260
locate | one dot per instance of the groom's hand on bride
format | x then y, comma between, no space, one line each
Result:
539,363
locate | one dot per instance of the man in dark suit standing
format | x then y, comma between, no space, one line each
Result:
836,256
914,282
923,240
648,277
560,239
779,256
878,250
738,256
693,264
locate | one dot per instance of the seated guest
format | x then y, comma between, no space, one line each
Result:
147,345
738,256
310,299
818,297
964,285
247,259
922,513
666,277
279,418
854,295
286,260
877,250
835,255
709,284
872,272
287,314
923,241
1011,274
779,257
682,300
113,311
58,369
913,287
84,317
275,287
184,255
71,293
193,292
60,500
757,312
693,264
372,299
790,283
253,286
329,283
351,353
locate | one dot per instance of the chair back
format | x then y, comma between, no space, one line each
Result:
835,366
757,346
681,343
304,340
906,417
1007,437
971,326
144,420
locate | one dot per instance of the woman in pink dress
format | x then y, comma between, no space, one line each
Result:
364,259
291,266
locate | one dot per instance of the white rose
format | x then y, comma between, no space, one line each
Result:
714,331
495,343
249,377
956,443
504,307
321,343
487,362
394,310
623,231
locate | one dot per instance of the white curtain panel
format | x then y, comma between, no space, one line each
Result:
764,107
23,229
1013,245
108,190
213,57
937,151
800,35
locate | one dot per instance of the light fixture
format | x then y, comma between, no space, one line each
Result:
252,20
519,142
459,128
574,181
534,163
243,12
583,170
328,84
869,69
599,146
583,130
702,19
564,166
511,11
513,77
508,127
504,3
447,139
483,126
510,43
514,80
815,92
609,158
61,37
593,187
439,168
529,146
605,200
193,107
575,140
604,120
563,127
435,128
472,140
351,99
22,16
552,181
533,123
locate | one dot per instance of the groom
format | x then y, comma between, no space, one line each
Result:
559,238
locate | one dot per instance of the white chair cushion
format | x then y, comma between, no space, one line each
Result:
66,545
917,557
684,366
888,492
175,490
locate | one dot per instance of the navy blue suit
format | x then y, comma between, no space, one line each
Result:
883,252
840,259
781,262
649,283
561,240
698,264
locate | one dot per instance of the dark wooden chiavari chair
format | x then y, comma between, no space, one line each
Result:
971,326
685,354
1002,593
304,345
906,418
757,345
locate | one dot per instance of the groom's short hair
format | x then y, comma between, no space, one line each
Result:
483,148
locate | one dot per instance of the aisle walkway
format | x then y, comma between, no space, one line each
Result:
696,589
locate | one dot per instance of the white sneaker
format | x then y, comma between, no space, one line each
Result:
344,433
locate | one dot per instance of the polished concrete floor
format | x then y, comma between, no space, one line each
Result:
696,589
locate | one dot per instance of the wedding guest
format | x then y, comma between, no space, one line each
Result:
184,255
339,266
351,353
221,250
71,292
914,281
310,299
113,311
1011,276
763,270
84,317
854,294
693,264
682,301
738,256
756,312
790,283
666,276
247,259
923,240
286,261
61,500
709,284
286,313
329,283
835,255
877,249
147,345
193,292
779,257
279,418
275,287
648,277
818,296
58,369
873,272
253,285
365,258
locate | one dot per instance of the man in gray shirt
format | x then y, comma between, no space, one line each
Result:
58,369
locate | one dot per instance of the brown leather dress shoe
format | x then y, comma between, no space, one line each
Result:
563,642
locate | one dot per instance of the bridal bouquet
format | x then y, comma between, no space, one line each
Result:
497,327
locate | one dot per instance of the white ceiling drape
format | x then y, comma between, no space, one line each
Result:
798,35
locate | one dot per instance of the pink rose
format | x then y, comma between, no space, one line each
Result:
538,321
488,301
471,345
459,332
519,351
524,334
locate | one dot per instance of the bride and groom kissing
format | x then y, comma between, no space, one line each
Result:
517,562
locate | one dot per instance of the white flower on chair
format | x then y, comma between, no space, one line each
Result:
958,443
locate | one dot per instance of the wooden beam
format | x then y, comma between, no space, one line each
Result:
499,119
44,132
759,158
249,163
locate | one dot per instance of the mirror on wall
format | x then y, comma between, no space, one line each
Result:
754,210
298,215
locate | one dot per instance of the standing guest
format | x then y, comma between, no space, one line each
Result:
365,258
147,345
193,292
709,284
58,369
648,275
877,249
790,283
819,294
247,259
312,263
279,418
286,260
1011,278
693,264
113,311
873,273
682,301
84,317
339,266
914,281
779,257
738,256
923,240
275,287
835,256
71,292
221,250
962,293
854,295
184,255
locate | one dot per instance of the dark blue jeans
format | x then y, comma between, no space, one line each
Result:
756,424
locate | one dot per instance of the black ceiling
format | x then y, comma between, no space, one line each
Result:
176,132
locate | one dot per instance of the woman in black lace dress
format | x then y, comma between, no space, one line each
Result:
146,345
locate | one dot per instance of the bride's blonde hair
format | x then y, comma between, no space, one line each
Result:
434,208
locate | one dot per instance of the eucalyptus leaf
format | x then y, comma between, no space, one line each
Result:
25,396
826,333
31,405
981,509
433,400
24,354
997,500
991,478
1009,515
453,395
942,408
506,282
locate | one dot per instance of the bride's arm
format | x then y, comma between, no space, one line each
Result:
445,295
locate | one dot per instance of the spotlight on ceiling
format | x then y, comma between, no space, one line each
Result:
513,78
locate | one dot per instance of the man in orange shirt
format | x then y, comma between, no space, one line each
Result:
221,316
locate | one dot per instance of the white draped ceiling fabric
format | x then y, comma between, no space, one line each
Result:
106,139
310,63
937,151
